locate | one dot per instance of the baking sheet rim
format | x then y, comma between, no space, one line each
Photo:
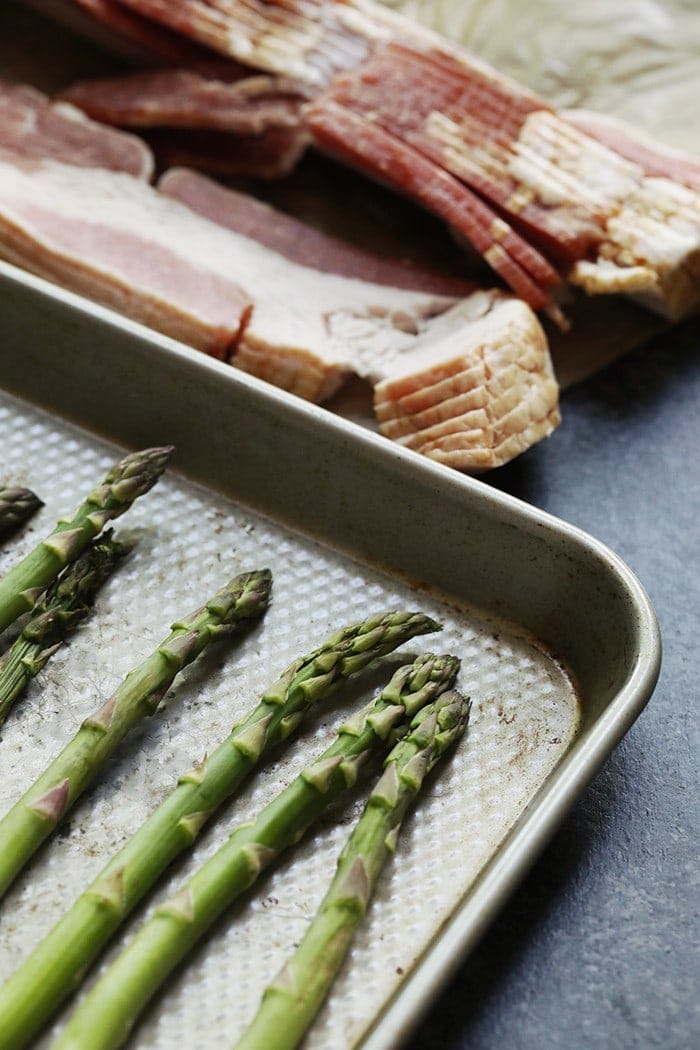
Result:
526,840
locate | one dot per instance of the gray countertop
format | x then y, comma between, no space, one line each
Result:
599,946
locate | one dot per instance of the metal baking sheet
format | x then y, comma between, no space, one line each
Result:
559,648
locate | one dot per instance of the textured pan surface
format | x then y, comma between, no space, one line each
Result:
189,542
341,490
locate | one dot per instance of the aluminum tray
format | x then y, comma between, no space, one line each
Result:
559,644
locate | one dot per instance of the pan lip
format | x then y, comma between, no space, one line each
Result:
512,859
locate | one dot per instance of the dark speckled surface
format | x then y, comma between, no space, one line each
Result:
599,946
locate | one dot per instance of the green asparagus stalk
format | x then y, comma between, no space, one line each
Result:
290,1004
105,1017
65,604
16,506
126,481
56,966
40,809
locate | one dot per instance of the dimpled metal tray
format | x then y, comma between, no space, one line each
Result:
558,642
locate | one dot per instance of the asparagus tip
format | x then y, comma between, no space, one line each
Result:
16,506
137,472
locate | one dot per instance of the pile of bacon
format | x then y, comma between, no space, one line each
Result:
460,373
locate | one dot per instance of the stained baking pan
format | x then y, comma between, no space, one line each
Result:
559,646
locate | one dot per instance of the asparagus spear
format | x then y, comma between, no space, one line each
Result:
131,477
290,1004
16,506
105,1017
66,602
56,966
40,809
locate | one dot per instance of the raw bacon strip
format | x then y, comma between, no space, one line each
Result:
591,207
119,241
472,395
474,376
651,250
369,312
388,84
115,239
309,40
311,327
270,155
522,252
299,242
185,98
154,41
650,236
469,122
653,157
33,126
227,122
290,368
370,148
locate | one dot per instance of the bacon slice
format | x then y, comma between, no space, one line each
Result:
211,97
33,126
628,142
115,239
365,145
469,121
309,40
467,381
149,39
311,327
477,391
299,242
215,117
271,155
617,229
651,250
119,241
